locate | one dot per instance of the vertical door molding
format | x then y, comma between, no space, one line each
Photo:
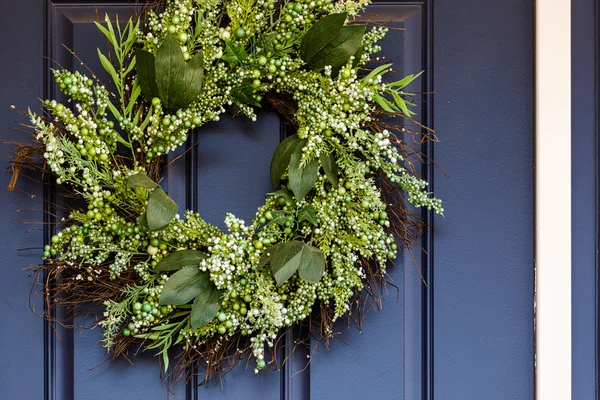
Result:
553,199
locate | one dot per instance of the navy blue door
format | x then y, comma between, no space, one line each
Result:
467,334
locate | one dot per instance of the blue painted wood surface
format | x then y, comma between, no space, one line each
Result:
585,129
481,287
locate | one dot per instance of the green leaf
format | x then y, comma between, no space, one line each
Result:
384,103
308,214
146,73
312,266
402,83
266,255
178,84
331,168
234,53
320,34
140,180
328,42
283,192
401,103
109,68
135,93
279,218
244,94
281,157
142,221
285,260
302,179
376,72
206,304
193,79
161,210
180,259
293,256
183,286
170,66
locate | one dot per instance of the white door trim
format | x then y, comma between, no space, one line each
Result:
553,198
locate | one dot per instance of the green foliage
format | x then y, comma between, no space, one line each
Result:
296,256
329,42
234,54
302,178
180,259
161,210
193,283
281,157
168,77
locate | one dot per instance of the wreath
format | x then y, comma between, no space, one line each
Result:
342,183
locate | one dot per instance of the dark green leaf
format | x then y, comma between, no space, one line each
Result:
161,210
331,168
180,259
146,73
206,304
266,255
193,79
183,286
283,192
338,51
319,35
140,180
142,221
294,256
234,53
312,266
244,94
279,218
285,260
308,214
329,42
170,67
302,179
281,157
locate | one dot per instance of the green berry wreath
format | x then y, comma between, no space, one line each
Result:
342,182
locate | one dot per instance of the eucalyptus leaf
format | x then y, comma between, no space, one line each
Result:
281,157
302,179
312,266
244,94
161,210
146,74
234,53
308,214
180,259
141,180
285,260
183,286
330,167
206,304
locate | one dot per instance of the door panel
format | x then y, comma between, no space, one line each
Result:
479,342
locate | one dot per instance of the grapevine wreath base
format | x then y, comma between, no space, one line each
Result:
321,241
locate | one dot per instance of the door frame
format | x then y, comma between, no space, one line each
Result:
552,200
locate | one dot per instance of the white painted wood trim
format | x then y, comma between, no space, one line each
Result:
553,198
